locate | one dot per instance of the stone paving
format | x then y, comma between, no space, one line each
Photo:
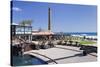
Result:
62,55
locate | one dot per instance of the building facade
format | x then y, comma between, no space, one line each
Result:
19,31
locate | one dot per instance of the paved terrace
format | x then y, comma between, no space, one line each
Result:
62,54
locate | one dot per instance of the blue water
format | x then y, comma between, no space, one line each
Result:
80,33
27,60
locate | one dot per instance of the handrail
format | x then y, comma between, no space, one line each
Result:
45,57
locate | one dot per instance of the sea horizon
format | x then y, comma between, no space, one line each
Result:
79,33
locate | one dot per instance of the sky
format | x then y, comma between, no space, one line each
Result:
64,17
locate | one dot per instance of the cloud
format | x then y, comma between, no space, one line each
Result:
16,9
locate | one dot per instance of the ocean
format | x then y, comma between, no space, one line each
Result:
79,33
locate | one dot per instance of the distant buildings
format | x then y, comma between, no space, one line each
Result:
26,33
47,34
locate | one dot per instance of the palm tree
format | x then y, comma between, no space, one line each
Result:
77,43
26,22
70,42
